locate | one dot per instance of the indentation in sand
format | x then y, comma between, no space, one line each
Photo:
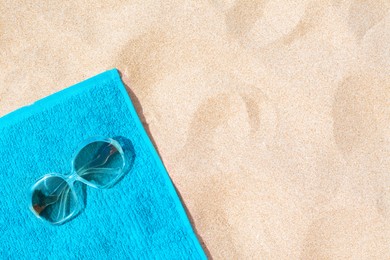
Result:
355,104
346,234
242,17
225,140
232,126
306,23
364,14
262,115
279,19
140,61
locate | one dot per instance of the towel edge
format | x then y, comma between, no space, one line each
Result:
51,100
178,203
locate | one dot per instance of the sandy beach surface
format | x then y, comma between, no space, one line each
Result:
272,117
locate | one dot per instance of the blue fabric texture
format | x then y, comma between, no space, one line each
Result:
141,217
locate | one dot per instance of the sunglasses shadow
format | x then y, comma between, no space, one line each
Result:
129,156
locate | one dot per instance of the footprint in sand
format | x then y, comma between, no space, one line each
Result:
229,128
226,130
347,234
361,114
363,15
360,105
241,18
260,22
248,108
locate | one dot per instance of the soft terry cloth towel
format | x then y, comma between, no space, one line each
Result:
139,218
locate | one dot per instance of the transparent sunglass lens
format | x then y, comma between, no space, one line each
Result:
100,163
53,199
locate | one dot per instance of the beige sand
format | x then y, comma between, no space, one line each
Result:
272,117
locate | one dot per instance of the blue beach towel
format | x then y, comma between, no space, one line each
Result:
141,217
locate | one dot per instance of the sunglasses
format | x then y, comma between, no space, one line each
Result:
98,163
